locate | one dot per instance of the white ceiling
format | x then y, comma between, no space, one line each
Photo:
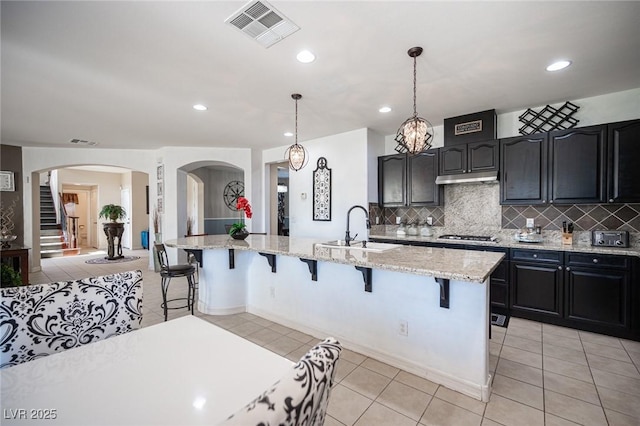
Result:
126,74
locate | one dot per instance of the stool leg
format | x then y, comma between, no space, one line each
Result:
165,287
191,298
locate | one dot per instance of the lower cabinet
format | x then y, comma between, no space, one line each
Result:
536,283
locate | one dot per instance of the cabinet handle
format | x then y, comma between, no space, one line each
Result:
595,260
550,201
544,201
611,200
568,269
464,171
560,267
535,256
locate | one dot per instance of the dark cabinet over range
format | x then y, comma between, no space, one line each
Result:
469,158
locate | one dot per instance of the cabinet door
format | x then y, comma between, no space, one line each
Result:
499,282
423,171
392,180
482,156
524,170
578,168
598,296
453,160
536,288
623,160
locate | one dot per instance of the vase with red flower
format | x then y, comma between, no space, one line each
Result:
238,230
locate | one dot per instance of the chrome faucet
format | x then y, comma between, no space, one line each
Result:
347,237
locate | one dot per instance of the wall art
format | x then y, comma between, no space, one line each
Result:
6,181
322,191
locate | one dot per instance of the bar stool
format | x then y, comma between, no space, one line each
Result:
175,271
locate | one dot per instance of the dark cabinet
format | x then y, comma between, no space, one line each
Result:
392,180
421,184
623,159
523,165
409,180
597,290
536,283
577,159
468,158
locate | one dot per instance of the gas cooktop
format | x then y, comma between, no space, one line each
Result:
468,237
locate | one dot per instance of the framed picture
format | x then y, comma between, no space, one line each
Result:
6,181
160,189
160,205
322,191
160,172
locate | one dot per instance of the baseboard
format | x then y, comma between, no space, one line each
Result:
472,390
217,311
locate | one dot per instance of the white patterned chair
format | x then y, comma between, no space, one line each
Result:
300,398
39,320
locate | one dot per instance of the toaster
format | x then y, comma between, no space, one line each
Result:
610,238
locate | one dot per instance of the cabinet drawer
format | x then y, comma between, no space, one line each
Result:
537,255
600,260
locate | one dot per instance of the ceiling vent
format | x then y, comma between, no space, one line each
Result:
262,22
83,142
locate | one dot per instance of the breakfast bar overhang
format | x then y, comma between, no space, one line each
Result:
424,310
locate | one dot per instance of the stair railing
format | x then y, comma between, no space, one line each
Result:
62,213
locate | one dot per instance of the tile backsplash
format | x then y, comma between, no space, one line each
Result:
468,206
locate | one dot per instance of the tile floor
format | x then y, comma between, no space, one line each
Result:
544,374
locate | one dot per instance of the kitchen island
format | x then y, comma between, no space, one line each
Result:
424,310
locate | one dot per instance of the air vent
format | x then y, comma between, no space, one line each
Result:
262,22
83,142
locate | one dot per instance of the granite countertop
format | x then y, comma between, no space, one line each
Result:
505,238
467,265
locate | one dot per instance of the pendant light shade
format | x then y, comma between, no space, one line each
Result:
415,135
296,154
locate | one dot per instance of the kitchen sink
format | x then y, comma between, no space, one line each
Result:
358,245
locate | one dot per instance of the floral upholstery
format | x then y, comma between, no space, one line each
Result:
38,320
300,398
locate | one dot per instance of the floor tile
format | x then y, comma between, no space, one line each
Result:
525,333
302,337
534,346
352,356
630,345
424,385
512,413
516,322
493,362
283,345
245,329
440,412
565,354
600,339
405,400
627,369
573,409
559,331
551,420
330,421
494,348
280,328
519,391
488,422
616,381
346,406
264,336
569,369
571,387
380,415
618,419
523,357
561,341
380,367
343,369
263,322
521,372
619,401
460,400
367,382
606,351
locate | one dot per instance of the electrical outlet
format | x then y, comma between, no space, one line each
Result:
403,328
430,220
530,222
272,292
377,220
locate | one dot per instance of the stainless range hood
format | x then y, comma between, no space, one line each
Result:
477,177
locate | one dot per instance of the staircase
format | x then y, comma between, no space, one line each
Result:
52,242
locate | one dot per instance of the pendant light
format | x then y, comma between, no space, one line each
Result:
415,135
296,154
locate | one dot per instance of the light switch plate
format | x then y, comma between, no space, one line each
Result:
530,222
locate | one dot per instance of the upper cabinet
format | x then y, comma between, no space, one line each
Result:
409,180
524,170
588,165
469,158
577,159
623,161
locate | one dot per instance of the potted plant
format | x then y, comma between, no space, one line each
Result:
238,230
10,278
112,212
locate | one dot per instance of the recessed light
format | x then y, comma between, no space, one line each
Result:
199,107
559,65
385,109
288,134
305,57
